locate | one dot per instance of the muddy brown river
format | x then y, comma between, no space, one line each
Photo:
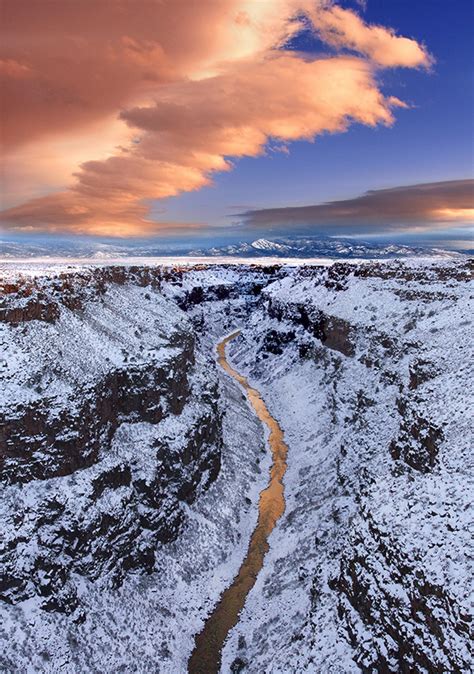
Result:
206,656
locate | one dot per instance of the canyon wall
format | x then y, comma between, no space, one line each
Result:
85,355
131,468
366,368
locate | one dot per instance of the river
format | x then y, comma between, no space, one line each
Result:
206,656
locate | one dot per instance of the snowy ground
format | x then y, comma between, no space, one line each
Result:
290,621
345,492
10,269
148,623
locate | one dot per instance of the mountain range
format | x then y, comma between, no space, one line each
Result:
288,247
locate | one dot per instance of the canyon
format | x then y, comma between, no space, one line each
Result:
132,465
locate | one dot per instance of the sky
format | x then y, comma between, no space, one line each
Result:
231,119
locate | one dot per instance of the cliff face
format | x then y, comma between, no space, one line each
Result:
52,436
88,356
365,368
123,453
415,624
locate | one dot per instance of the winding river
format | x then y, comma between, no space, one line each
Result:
206,656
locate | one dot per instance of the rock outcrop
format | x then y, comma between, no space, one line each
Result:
395,617
112,355
112,432
54,436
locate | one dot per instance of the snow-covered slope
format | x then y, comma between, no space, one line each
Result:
132,466
369,372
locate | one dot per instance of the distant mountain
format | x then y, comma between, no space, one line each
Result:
308,247
288,247
80,249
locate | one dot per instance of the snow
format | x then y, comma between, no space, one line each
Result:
311,400
45,266
85,345
339,416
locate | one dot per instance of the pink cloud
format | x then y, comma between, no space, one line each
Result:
193,91
410,207
343,28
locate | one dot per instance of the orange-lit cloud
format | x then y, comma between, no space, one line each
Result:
188,90
455,214
414,207
67,64
345,29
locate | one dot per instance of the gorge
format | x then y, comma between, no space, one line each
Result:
132,466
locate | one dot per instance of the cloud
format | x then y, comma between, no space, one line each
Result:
189,133
64,65
414,208
344,28
187,93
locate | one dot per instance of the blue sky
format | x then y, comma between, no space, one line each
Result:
182,90
432,141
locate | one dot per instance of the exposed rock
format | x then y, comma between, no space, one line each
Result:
275,340
382,588
28,299
332,331
86,505
418,440
51,437
420,372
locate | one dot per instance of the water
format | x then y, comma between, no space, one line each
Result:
206,656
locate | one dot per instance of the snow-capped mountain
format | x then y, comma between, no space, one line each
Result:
313,247
273,246
289,247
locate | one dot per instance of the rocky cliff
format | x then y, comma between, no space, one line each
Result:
125,452
366,369
86,356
